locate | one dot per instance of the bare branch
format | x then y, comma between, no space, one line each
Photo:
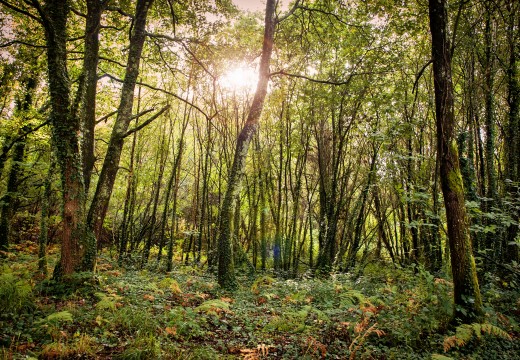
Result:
289,13
328,13
141,113
105,118
327,82
77,12
112,61
14,42
139,127
119,10
20,10
419,74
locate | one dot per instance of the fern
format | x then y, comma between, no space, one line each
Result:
441,357
264,281
56,318
107,302
213,307
466,332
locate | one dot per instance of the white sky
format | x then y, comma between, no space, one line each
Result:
256,5
251,5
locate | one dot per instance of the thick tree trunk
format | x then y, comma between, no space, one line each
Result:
468,302
226,272
65,127
99,206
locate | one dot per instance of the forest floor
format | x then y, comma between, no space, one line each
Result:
127,313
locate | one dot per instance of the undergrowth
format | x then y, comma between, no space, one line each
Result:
127,313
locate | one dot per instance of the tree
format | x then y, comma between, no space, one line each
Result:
468,302
99,206
65,127
226,272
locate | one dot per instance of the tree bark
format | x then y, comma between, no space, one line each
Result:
468,302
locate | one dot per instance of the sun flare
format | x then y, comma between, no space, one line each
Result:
240,78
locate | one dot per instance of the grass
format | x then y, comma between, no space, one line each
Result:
150,314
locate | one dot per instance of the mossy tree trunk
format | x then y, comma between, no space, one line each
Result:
226,272
468,302
65,128
99,206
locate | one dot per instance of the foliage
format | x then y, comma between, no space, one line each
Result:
467,332
394,313
15,293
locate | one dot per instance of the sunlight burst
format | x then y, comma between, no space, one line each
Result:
240,78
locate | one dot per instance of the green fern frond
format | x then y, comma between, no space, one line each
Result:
466,332
494,330
213,307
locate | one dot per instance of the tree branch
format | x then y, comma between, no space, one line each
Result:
21,136
20,10
289,13
141,113
139,127
13,42
105,118
327,82
119,10
151,87
419,74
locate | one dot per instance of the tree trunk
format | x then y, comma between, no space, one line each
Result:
89,78
44,219
226,272
512,144
468,302
99,206
65,127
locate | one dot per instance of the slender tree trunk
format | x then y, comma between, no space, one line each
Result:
489,125
381,224
44,219
99,206
89,78
360,220
177,171
468,302
162,163
130,191
512,144
226,272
